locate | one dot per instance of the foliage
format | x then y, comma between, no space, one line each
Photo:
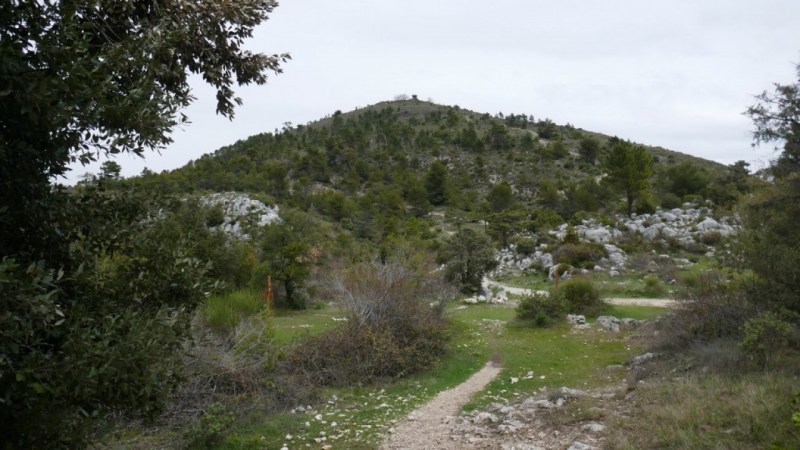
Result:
685,179
225,311
108,80
395,325
96,290
712,308
542,309
500,198
436,183
209,431
653,287
589,149
629,168
505,224
580,296
467,257
102,333
575,254
526,246
287,253
545,219
764,336
770,241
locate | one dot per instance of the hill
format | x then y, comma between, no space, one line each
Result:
376,168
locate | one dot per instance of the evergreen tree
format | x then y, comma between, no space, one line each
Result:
629,169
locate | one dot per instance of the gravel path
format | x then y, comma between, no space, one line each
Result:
428,426
660,302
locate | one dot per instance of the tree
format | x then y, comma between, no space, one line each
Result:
287,254
436,183
770,237
589,149
467,257
504,224
686,179
83,78
501,197
629,169
110,170
95,309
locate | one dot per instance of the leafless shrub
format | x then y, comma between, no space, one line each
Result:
712,309
395,325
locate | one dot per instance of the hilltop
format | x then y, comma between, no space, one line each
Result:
411,155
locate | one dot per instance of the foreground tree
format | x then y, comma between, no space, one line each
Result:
771,237
95,305
629,169
83,78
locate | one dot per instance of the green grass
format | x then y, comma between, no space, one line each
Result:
712,411
363,414
358,417
292,325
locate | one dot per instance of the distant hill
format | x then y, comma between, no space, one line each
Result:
390,154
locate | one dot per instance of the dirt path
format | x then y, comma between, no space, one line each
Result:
428,426
659,302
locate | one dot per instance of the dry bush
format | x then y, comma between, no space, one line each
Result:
224,368
395,326
711,310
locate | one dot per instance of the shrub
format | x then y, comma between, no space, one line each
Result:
711,237
224,312
764,336
580,296
209,430
575,254
541,309
645,206
396,326
711,309
670,201
545,219
526,246
571,237
653,287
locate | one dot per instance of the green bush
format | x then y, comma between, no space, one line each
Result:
224,312
764,336
545,219
209,430
670,201
541,309
653,287
580,297
576,254
526,246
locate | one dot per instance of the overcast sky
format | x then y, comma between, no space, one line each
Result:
676,74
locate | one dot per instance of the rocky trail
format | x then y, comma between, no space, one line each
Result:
428,427
659,302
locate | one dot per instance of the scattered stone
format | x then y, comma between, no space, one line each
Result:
609,323
641,359
577,445
593,427
576,319
631,323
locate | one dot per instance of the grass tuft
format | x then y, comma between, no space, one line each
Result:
224,312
